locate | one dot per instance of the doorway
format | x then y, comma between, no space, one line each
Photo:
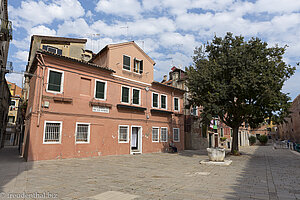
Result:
136,140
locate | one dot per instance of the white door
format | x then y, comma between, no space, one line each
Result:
136,139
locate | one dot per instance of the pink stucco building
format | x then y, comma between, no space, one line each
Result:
108,106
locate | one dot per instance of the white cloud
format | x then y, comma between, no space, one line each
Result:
15,78
31,13
277,6
21,44
141,27
177,42
292,85
77,27
41,30
21,55
120,8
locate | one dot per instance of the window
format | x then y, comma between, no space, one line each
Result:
55,81
222,132
176,135
231,132
11,119
138,66
155,134
52,132
176,104
163,101
123,133
136,96
125,94
100,90
12,103
194,111
52,49
82,132
164,134
154,100
126,62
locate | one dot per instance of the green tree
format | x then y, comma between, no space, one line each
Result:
239,81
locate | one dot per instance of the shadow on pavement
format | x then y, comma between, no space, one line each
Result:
12,167
266,174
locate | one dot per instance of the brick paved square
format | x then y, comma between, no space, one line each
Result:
260,173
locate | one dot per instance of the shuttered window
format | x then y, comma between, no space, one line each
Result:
176,104
136,96
55,81
163,101
126,62
138,66
154,100
52,49
125,94
100,92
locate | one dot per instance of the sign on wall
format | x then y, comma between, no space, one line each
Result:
100,109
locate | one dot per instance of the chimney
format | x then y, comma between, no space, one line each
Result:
165,78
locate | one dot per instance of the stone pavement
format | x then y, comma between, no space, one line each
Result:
260,173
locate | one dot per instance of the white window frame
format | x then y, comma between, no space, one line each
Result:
178,135
128,132
139,68
178,104
59,142
157,133
128,94
15,103
105,89
61,81
139,96
161,134
129,63
157,100
88,136
166,101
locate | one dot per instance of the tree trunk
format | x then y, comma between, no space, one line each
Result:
235,140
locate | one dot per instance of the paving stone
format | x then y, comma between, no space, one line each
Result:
260,173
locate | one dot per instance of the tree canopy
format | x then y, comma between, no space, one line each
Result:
239,81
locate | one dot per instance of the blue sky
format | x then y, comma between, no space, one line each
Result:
167,30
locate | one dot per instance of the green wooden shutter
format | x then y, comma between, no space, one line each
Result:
54,83
100,90
141,67
163,101
136,96
125,94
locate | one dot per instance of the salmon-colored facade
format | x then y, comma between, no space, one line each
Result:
110,106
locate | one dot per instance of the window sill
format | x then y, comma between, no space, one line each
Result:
154,110
94,103
122,106
63,99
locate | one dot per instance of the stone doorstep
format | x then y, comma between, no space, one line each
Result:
208,162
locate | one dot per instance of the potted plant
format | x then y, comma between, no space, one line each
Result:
263,139
252,140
